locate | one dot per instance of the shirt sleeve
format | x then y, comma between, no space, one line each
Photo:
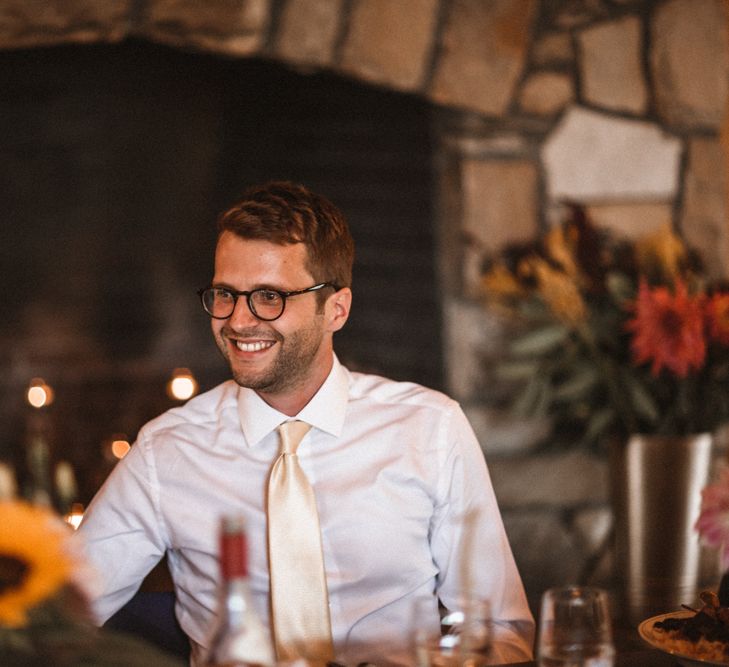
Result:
121,532
470,546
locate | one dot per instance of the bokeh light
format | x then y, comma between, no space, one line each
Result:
120,447
182,385
75,515
39,393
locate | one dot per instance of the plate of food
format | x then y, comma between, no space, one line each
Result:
695,638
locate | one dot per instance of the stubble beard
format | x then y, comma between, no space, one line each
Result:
289,368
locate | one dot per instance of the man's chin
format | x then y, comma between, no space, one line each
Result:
251,374
250,381
263,383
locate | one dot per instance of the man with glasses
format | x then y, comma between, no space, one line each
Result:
406,511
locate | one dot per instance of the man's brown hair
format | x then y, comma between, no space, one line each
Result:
283,213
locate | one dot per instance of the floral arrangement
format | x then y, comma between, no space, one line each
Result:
611,336
44,617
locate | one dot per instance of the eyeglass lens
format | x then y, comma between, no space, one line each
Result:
265,304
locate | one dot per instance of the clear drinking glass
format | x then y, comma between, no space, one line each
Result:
575,629
463,638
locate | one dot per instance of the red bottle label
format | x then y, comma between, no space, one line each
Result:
233,555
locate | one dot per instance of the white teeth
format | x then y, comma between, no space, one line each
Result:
252,347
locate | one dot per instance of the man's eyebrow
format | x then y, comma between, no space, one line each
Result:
224,285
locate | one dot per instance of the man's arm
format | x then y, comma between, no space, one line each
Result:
470,546
121,533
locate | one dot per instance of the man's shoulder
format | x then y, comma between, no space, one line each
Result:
203,410
383,390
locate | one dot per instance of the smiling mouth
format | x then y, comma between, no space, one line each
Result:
254,347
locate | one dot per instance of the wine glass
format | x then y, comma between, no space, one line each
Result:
463,638
575,629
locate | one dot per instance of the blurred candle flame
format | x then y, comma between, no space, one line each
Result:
39,394
120,447
75,515
182,385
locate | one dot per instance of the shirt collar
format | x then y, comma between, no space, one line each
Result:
325,411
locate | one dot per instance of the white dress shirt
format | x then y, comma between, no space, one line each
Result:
405,503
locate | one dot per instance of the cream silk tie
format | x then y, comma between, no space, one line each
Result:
299,599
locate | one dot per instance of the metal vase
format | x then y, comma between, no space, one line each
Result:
656,492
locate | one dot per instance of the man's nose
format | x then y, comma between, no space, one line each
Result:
242,317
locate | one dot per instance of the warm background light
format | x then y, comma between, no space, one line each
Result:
65,479
8,485
120,447
75,515
39,393
182,384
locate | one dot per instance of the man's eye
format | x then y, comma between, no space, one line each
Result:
222,294
268,296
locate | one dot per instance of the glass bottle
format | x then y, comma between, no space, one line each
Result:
239,639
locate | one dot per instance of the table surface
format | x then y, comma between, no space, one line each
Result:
647,658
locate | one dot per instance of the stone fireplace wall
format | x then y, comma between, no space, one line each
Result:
617,104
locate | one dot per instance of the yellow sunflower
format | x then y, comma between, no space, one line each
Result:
33,562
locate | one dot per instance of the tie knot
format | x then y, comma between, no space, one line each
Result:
291,434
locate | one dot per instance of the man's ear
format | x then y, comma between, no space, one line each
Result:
336,308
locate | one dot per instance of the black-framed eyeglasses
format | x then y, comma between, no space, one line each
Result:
265,303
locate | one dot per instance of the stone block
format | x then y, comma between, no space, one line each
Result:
469,332
483,51
632,220
33,23
611,65
546,93
498,433
230,27
560,480
499,203
499,144
590,156
553,49
545,550
308,31
571,14
689,62
704,217
472,258
390,42
592,525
